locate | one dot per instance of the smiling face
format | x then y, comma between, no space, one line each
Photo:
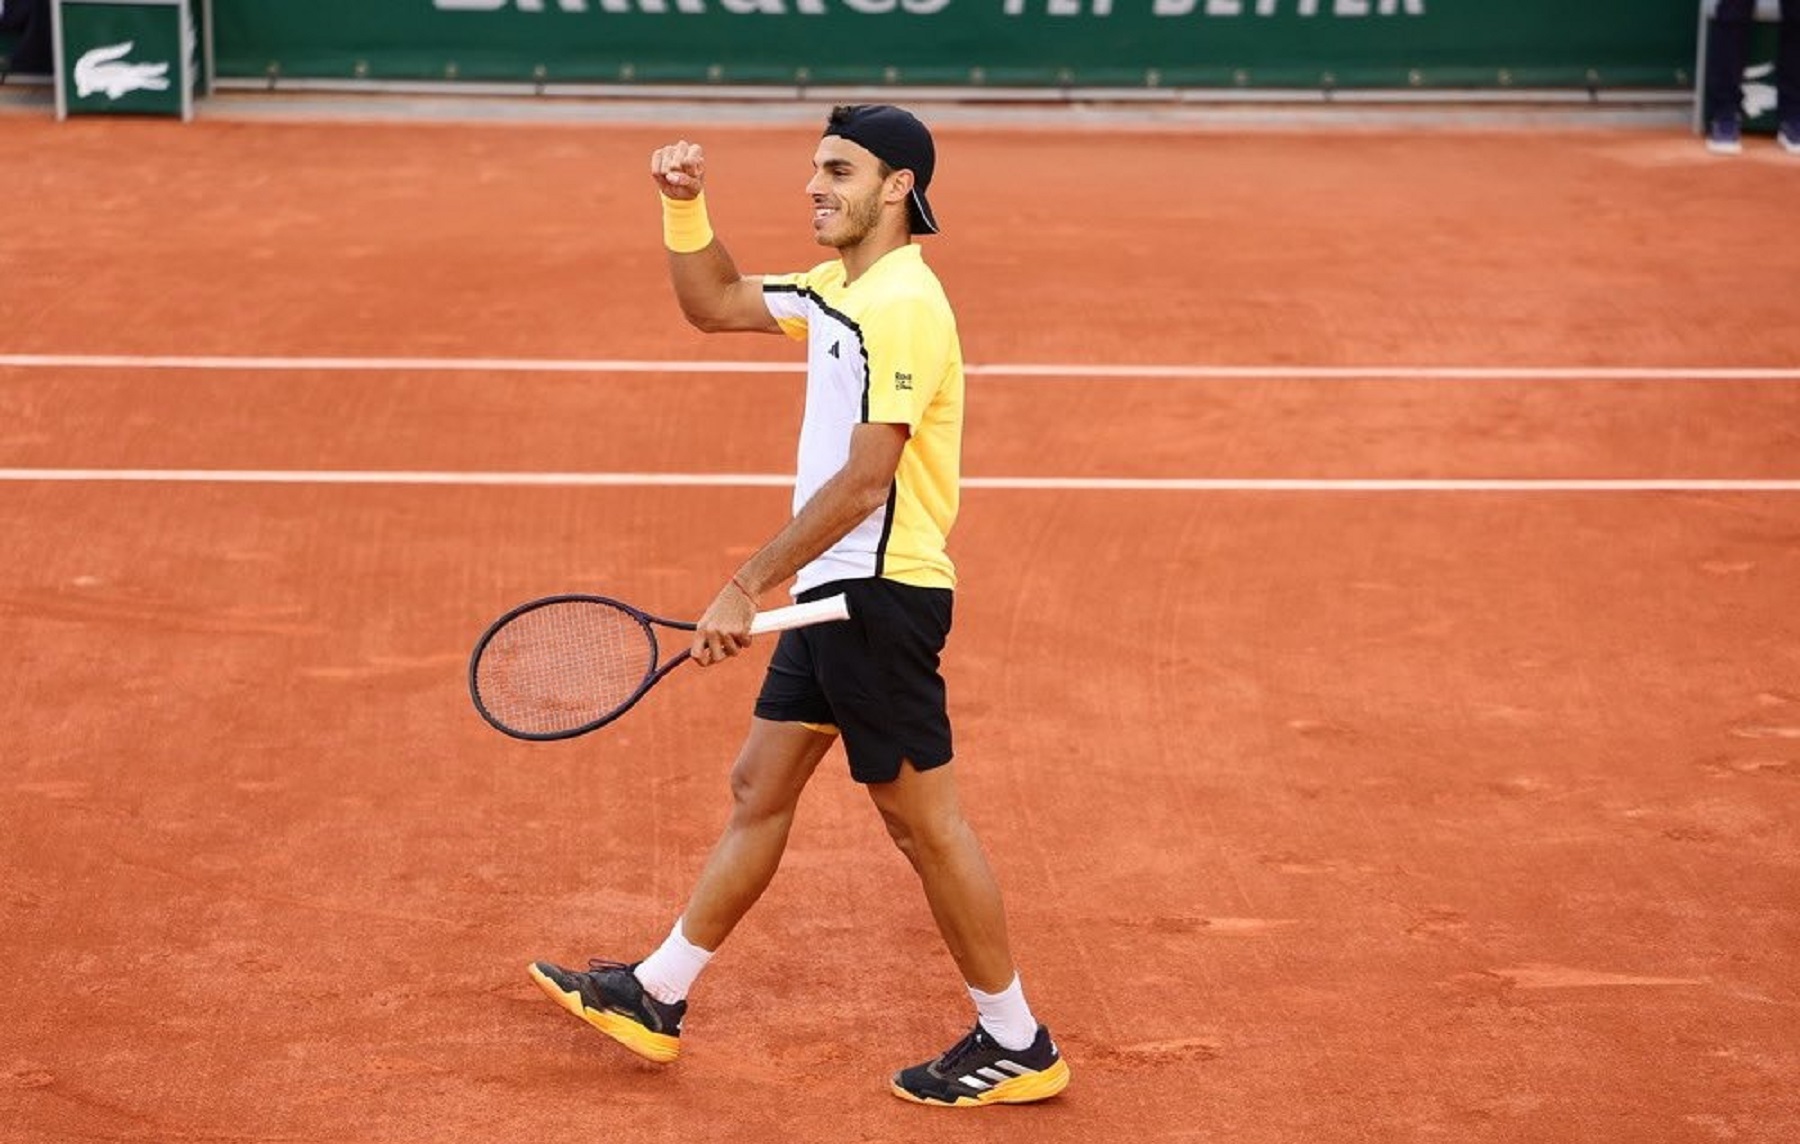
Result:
854,194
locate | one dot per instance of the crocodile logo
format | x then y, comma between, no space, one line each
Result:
103,70
1760,95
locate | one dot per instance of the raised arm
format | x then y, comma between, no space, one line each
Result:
714,297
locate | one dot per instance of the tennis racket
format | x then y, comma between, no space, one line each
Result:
565,665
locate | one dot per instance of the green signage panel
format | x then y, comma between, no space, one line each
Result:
1002,43
132,57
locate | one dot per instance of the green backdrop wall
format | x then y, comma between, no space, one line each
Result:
1001,43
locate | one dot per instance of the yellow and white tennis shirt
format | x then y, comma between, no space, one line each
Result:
882,349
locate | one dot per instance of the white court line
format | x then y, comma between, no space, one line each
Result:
997,369
785,481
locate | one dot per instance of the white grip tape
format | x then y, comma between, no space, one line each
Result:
800,615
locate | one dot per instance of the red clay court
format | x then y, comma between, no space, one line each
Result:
1377,667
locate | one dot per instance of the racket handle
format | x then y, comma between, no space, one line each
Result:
800,615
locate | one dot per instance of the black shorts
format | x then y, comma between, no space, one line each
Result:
874,676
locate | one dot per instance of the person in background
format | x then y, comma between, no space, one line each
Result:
1727,50
29,20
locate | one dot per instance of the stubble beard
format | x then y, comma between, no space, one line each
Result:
857,219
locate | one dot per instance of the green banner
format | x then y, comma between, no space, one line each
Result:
999,43
123,57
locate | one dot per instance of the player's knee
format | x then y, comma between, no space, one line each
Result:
927,838
898,830
749,793
756,794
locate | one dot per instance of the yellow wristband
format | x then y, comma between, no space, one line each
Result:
685,225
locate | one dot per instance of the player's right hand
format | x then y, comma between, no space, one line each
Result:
725,628
679,170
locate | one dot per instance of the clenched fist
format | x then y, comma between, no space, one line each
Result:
679,170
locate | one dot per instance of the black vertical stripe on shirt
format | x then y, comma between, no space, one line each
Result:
887,527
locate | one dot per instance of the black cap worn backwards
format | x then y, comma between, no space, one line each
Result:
898,139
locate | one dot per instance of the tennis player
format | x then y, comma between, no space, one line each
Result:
875,497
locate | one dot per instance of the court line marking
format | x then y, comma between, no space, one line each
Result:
996,369
786,481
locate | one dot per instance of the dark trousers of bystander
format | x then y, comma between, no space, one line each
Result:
1728,49
30,21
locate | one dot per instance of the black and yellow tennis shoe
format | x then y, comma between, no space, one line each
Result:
609,997
977,1070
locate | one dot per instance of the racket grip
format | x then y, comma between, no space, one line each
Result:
800,615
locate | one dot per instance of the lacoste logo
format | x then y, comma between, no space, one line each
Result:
833,351
1759,94
100,70
902,380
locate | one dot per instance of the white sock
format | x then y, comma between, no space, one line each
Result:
669,973
1005,1015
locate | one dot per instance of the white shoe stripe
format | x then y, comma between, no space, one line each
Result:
999,1072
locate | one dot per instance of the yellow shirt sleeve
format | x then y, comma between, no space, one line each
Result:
908,342
785,295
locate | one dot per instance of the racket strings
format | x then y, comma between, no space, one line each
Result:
564,666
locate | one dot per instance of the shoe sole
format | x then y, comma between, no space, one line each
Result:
658,1047
1725,148
1019,1090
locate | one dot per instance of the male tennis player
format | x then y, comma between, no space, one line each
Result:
875,497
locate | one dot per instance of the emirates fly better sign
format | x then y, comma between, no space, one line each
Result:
1156,46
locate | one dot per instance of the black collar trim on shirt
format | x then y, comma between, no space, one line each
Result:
835,315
